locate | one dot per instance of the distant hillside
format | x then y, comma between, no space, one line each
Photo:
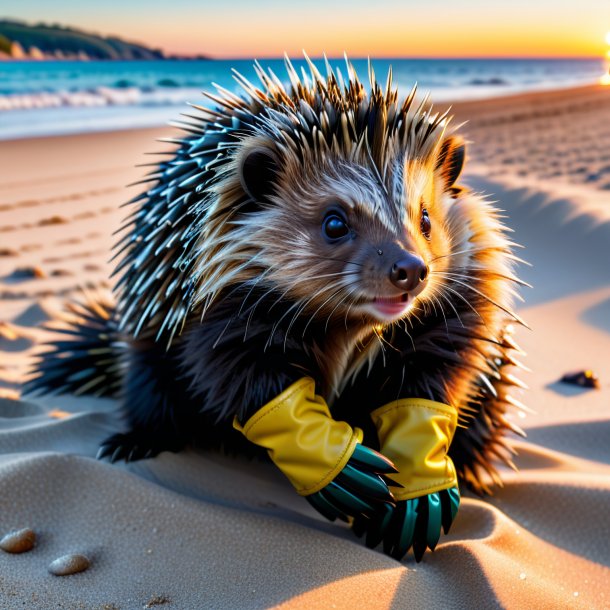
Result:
41,41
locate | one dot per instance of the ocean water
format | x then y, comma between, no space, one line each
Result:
48,98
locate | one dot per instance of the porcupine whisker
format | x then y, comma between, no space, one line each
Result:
438,302
460,296
490,300
446,298
386,342
254,284
251,314
326,275
280,297
510,278
302,308
354,301
376,336
474,279
504,249
432,302
340,302
278,322
468,303
428,307
468,251
293,319
338,260
434,296
406,329
311,318
412,313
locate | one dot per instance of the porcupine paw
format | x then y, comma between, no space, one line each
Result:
413,523
132,446
361,488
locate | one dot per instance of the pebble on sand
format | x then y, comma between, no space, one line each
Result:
24,273
69,564
18,541
584,379
53,220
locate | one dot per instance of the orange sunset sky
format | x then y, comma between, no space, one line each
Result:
407,28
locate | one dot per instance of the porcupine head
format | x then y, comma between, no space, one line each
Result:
345,222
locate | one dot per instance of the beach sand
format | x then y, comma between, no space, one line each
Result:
196,530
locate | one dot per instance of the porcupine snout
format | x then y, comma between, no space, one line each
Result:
408,272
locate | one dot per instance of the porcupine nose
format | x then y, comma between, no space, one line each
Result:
408,272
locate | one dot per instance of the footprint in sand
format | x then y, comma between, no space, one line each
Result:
31,247
68,242
84,215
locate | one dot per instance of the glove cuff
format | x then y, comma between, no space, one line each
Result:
301,437
415,434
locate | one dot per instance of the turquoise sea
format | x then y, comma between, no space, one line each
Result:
45,98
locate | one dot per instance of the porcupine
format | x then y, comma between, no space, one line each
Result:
312,230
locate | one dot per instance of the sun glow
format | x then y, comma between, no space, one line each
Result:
605,79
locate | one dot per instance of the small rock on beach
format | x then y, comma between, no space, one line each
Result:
18,541
69,564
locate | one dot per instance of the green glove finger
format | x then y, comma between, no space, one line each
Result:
378,526
393,528
454,496
420,543
326,508
359,525
450,502
371,460
363,483
434,520
345,500
407,531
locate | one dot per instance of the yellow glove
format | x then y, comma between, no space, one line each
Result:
415,434
322,458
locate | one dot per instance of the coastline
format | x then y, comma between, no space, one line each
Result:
54,98
203,530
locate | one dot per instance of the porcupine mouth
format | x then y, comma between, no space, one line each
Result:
389,309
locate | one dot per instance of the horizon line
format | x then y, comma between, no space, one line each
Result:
341,57
300,57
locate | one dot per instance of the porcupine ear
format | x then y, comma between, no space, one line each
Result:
450,160
258,169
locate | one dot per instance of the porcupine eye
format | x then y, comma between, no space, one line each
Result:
334,227
425,224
